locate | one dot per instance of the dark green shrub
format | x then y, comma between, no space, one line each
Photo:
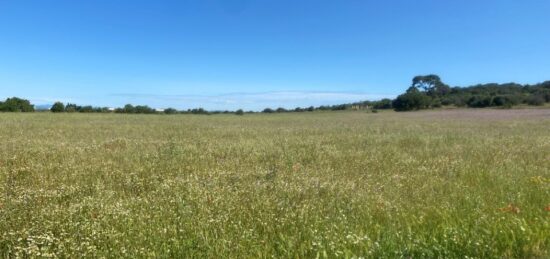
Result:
86,109
199,111
436,103
536,100
383,104
412,100
480,101
338,107
144,109
447,101
170,111
57,107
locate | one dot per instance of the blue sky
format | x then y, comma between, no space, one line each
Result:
222,54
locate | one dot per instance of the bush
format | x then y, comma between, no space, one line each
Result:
536,100
447,101
57,107
128,108
500,101
480,101
340,107
383,104
71,107
412,100
436,103
199,111
86,109
105,110
170,111
144,109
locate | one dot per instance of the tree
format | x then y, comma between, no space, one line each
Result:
340,107
239,112
71,107
426,82
431,84
86,109
411,101
15,104
383,104
268,110
412,89
144,109
58,107
170,111
128,108
199,111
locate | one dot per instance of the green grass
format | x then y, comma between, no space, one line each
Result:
339,184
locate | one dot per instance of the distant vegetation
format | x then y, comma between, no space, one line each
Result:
430,92
425,92
16,105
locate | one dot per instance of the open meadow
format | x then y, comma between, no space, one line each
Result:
454,183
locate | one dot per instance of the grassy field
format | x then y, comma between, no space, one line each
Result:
457,183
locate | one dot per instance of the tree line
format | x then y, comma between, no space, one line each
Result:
425,92
16,104
430,92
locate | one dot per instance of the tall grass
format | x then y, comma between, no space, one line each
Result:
346,184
